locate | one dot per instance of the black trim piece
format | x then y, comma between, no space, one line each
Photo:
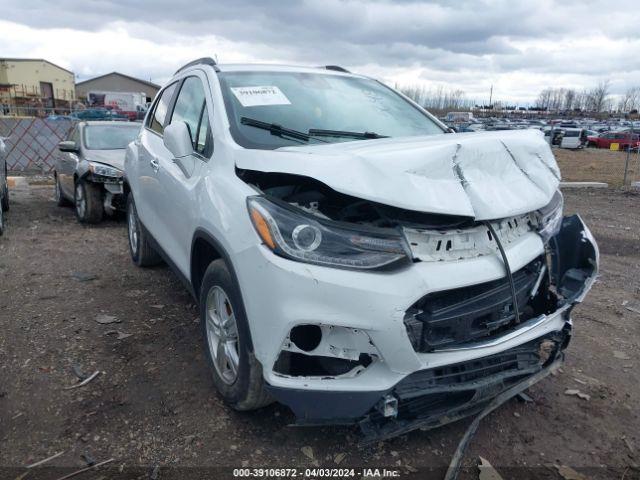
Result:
460,316
336,68
200,233
313,407
431,398
200,61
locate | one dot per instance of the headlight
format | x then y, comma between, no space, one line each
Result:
549,217
104,170
297,236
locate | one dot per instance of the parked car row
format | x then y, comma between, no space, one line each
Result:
94,114
566,134
341,262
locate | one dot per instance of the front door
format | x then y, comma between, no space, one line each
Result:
179,177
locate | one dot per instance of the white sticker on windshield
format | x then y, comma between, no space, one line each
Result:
259,96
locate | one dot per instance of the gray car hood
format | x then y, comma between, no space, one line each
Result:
115,158
484,175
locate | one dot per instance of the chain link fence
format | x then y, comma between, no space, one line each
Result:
616,168
32,143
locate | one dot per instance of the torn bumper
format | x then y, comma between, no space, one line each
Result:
428,388
433,397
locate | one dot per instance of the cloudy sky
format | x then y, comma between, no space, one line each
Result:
518,46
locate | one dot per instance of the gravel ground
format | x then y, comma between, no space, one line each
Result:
153,405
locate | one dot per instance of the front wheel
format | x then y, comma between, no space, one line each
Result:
236,373
142,253
88,200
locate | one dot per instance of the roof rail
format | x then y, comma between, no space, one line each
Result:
336,68
204,61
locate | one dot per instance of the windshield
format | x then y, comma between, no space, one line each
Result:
572,133
109,137
316,102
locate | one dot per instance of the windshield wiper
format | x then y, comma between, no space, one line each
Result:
275,129
344,133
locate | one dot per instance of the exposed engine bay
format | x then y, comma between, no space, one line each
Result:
318,199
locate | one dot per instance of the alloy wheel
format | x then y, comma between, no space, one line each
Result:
222,334
132,222
81,201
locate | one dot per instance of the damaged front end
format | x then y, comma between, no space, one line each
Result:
473,341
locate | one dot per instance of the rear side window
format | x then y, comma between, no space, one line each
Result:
159,114
191,108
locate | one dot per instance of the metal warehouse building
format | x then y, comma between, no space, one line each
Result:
34,83
116,82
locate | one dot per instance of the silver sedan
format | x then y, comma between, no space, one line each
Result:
89,168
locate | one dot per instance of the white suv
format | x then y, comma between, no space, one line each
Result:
351,257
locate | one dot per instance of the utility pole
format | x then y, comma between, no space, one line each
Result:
491,96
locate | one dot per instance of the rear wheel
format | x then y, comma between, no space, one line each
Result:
1,220
61,201
236,373
142,253
88,201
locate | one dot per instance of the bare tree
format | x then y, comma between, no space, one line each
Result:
569,98
436,98
630,100
544,99
598,97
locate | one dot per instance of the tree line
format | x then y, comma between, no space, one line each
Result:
597,99
437,98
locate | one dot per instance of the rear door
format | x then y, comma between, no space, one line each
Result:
179,178
150,149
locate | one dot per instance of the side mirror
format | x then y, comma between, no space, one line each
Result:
177,139
68,146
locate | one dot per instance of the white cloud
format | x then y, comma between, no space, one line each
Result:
518,47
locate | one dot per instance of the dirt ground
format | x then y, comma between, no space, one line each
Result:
597,165
153,405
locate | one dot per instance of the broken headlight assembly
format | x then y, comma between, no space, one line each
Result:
549,217
292,234
102,170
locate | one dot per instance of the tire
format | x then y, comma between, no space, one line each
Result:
61,201
241,387
1,220
4,203
88,202
142,253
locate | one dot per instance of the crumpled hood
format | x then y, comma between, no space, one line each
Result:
115,158
484,175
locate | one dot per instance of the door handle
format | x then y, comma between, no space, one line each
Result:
155,165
